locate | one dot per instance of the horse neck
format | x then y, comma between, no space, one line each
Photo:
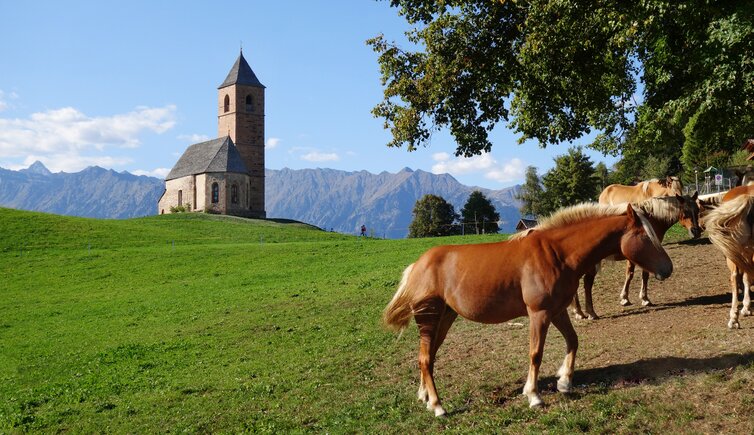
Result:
584,244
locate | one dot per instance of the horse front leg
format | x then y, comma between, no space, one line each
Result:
644,288
734,279
539,322
746,309
565,373
629,276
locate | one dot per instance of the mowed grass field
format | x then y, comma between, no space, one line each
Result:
215,324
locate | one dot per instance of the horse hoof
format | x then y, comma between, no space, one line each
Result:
625,302
579,316
565,387
745,312
593,316
536,402
646,303
439,412
733,324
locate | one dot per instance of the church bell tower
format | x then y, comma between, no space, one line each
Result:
241,116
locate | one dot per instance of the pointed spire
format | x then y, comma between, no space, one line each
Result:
241,74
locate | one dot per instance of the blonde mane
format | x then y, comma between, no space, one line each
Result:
662,208
579,212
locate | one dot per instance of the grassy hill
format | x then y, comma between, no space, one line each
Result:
223,333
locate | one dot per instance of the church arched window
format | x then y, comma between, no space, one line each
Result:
234,193
180,197
249,105
215,193
226,105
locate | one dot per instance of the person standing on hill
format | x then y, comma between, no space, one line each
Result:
363,231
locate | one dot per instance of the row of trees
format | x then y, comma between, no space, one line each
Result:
434,216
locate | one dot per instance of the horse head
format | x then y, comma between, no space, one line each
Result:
641,246
690,212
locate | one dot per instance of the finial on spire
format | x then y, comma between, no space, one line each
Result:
241,47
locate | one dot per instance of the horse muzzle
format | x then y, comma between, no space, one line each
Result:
664,274
695,232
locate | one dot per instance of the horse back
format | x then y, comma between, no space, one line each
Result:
738,191
619,194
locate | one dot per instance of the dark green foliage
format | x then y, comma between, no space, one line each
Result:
531,193
555,70
433,217
479,215
570,182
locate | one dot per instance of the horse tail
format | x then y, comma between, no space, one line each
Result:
730,229
398,312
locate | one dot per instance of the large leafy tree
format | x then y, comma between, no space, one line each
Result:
570,182
531,194
672,77
479,214
433,216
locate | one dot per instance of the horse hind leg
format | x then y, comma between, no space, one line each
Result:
433,319
629,276
565,373
644,289
588,303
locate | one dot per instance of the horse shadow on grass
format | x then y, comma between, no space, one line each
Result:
643,371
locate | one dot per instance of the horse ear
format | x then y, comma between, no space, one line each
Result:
696,195
633,220
679,198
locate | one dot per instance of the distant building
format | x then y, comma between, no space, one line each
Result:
526,224
225,175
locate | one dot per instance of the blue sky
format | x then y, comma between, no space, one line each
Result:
129,85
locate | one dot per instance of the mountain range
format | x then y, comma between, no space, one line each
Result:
328,198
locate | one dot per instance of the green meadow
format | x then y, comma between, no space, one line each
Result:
202,323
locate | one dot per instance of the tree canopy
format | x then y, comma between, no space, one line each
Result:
479,214
660,77
433,216
531,194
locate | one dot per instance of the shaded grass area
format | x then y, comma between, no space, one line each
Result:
233,335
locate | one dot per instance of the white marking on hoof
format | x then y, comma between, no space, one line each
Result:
733,324
625,302
564,386
579,316
535,401
422,395
593,316
439,412
745,312
646,303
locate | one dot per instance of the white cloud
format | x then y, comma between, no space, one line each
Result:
4,104
63,139
272,142
316,156
485,163
159,172
194,138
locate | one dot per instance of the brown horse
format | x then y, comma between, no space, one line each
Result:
536,275
738,279
730,228
662,213
618,194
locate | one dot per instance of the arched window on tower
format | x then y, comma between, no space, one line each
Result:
249,105
215,193
234,193
226,105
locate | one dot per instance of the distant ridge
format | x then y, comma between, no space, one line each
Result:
326,198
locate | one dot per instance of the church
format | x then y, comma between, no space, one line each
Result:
225,175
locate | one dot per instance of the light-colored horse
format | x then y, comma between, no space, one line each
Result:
618,193
730,229
533,276
662,213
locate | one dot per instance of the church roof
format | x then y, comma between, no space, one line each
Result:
216,155
241,74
